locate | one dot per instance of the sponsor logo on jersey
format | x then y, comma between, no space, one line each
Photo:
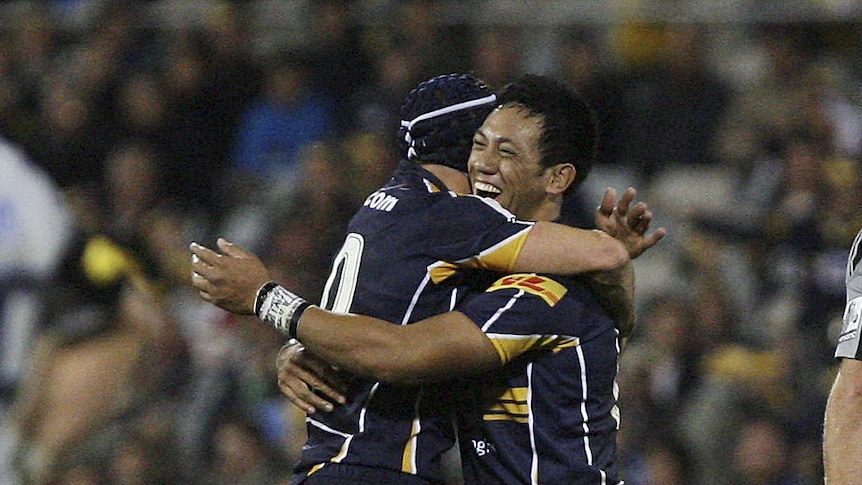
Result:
852,315
545,288
483,447
382,201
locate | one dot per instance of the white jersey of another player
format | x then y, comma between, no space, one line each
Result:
848,342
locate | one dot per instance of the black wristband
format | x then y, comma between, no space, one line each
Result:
262,294
293,325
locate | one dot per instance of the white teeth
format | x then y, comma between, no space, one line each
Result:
486,187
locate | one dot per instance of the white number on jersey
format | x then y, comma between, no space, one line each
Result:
345,269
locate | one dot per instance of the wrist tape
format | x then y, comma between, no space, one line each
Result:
280,308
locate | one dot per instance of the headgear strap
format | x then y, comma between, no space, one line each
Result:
411,153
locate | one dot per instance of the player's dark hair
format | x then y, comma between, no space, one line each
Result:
440,116
569,126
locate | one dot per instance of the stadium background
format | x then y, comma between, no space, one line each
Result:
161,122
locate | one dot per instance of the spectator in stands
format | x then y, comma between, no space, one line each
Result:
98,361
289,114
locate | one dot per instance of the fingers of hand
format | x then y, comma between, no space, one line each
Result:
637,216
640,222
605,211
231,249
621,218
304,369
286,353
637,211
201,283
202,263
199,280
656,236
625,201
317,374
606,206
203,254
288,390
307,385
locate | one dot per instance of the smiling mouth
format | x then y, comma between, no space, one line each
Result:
484,189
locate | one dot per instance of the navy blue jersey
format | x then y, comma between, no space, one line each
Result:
550,415
402,260
848,341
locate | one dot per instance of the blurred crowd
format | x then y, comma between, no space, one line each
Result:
123,139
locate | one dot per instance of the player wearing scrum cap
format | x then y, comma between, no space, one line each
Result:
404,260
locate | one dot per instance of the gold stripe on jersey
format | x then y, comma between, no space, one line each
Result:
431,186
408,457
510,405
510,346
543,287
500,258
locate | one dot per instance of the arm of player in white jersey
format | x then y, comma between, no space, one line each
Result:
842,437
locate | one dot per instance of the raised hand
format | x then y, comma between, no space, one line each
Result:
229,279
627,222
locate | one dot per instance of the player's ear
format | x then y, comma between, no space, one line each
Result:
562,176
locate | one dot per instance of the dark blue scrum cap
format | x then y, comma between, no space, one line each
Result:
440,116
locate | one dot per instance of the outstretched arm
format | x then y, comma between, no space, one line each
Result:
842,429
231,278
559,249
442,346
382,351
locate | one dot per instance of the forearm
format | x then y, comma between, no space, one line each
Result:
558,249
361,345
615,291
437,348
442,347
842,438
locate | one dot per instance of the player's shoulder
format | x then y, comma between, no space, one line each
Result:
479,212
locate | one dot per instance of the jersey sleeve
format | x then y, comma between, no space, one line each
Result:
524,312
476,233
849,339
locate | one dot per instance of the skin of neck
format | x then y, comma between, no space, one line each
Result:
548,210
455,180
